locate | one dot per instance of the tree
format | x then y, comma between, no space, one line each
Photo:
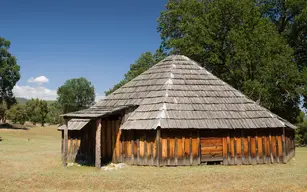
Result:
3,110
17,113
43,111
290,19
55,110
301,133
76,94
144,62
236,43
9,74
33,110
37,111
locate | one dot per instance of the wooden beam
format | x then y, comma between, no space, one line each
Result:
98,144
158,150
65,144
257,152
277,149
249,150
271,148
228,148
168,149
235,149
191,148
283,146
132,146
121,146
145,161
242,146
176,151
199,147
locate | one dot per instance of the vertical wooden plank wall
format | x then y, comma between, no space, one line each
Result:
256,146
141,147
184,147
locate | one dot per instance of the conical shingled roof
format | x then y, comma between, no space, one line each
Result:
178,93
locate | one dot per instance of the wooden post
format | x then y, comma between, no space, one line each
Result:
242,147
98,144
176,151
277,149
228,148
249,150
283,146
65,144
132,146
235,149
263,150
257,151
191,149
145,161
158,146
121,146
199,147
271,148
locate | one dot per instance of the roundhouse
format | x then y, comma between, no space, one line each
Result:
177,113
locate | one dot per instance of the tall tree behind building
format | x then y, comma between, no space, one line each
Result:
239,45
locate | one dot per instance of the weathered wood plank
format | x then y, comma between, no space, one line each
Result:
176,150
235,149
249,149
98,144
284,146
132,146
65,144
257,150
271,148
228,148
191,148
158,145
242,147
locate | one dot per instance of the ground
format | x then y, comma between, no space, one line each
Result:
30,160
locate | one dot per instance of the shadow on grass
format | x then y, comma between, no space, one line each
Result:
11,126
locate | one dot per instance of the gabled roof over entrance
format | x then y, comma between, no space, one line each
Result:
178,93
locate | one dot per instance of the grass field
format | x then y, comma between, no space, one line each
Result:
30,160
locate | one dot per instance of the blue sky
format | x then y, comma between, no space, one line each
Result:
63,39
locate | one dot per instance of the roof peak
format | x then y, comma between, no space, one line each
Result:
177,57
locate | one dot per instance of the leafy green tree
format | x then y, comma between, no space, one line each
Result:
43,111
144,62
290,18
17,113
9,74
76,94
33,110
301,133
37,111
3,109
55,110
233,40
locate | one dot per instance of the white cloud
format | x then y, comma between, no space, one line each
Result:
39,80
34,92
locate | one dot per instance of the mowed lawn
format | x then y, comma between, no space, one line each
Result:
30,160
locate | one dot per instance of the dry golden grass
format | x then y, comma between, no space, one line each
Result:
30,160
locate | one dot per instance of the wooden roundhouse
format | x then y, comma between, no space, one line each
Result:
177,113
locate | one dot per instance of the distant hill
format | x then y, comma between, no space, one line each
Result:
22,101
